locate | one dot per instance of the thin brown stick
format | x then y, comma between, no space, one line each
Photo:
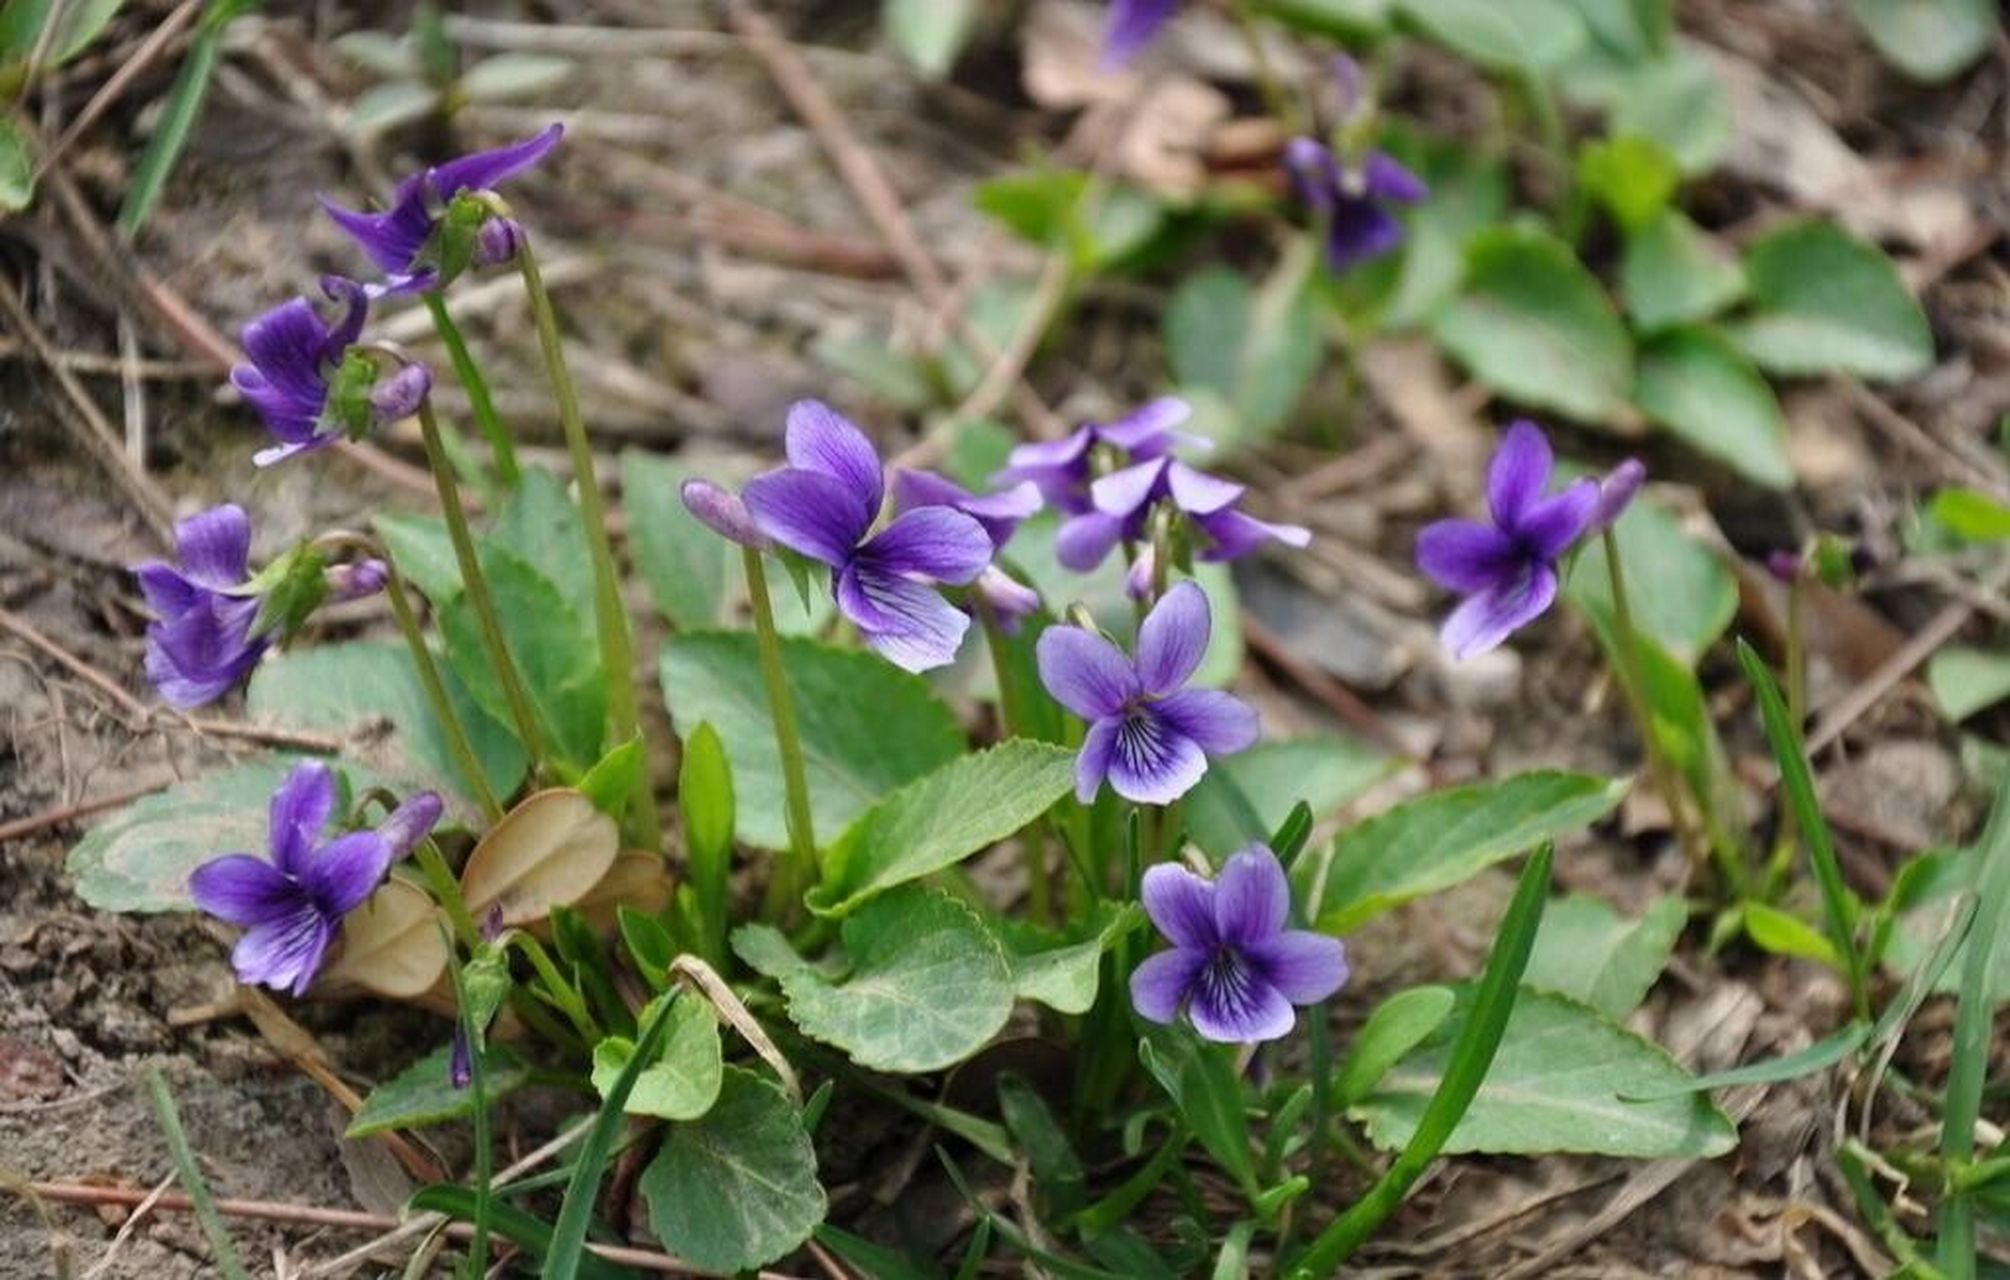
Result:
14,624
87,422
264,734
95,364
21,828
1336,697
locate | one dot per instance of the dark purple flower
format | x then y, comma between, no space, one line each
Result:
1616,493
398,238
1148,734
294,356
291,905
1351,202
1507,570
202,643
1133,25
824,504
1121,503
723,512
1063,469
460,1059
1233,967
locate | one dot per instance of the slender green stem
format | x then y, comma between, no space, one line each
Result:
1012,713
458,744
1275,99
447,892
617,648
563,995
1633,682
480,399
484,1171
476,584
189,1171
802,871
1968,1067
1797,698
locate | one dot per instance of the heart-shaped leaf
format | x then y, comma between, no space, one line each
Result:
683,1083
1825,301
1673,274
1325,772
547,852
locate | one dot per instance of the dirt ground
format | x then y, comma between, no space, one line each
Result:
695,342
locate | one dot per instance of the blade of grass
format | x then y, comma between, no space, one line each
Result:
1799,785
484,1192
190,1175
184,104
1973,1022
1823,1053
1472,1056
568,1244
529,1233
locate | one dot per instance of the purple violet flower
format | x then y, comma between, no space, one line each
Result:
1506,570
1062,469
1233,966
301,379
1000,514
1616,493
202,643
824,504
1351,202
1121,503
356,580
398,239
292,904
1148,734
1133,24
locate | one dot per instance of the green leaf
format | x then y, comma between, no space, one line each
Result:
1974,516
1930,40
424,1093
1590,952
962,808
552,646
1529,34
1469,192
1065,978
1334,19
615,777
1255,348
541,524
424,553
1631,176
866,726
1682,596
1825,302
1326,772
1632,30
1698,385
1536,325
902,380
1974,1023
927,985
532,1234
705,798
1679,101
81,22
370,688
1783,934
184,105
1437,840
17,169
684,563
1965,680
504,77
1558,1083
1398,1025
382,54
387,105
140,858
1819,1056
1672,273
683,1082
1202,1081
738,1188
929,33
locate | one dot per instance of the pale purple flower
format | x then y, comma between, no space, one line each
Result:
202,642
1352,202
291,905
1149,735
1000,515
1063,469
1121,503
357,580
401,238
1506,570
1011,601
1616,492
498,242
1234,967
824,505
1133,24
723,512
294,375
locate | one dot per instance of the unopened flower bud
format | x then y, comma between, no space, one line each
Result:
722,512
410,822
1785,566
355,581
1009,600
1615,492
400,395
498,242
1138,579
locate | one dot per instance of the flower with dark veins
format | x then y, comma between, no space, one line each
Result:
1149,735
1352,202
403,240
292,904
1507,570
1234,968
824,505
203,640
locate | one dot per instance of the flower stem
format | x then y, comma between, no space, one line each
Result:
802,871
458,744
484,1170
1633,682
1796,678
447,892
1275,99
477,586
480,399
617,649
1012,713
